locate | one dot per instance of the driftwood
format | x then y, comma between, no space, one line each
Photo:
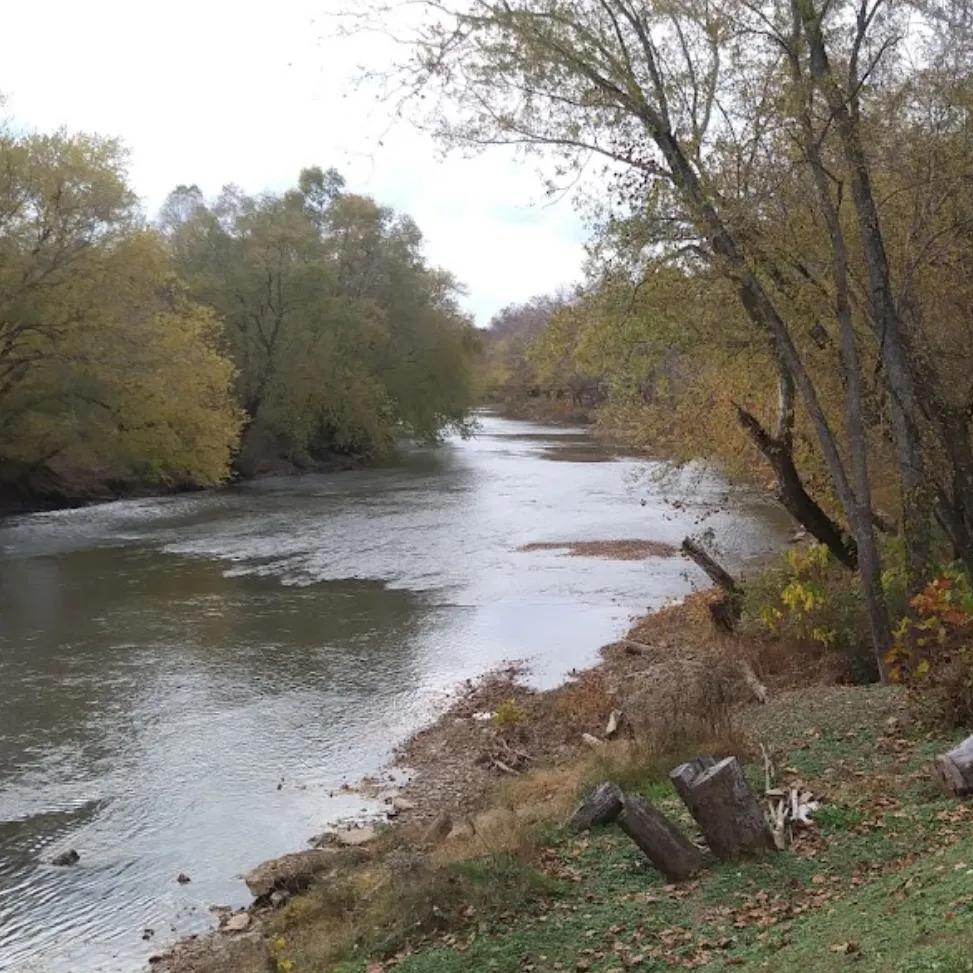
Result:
755,686
638,648
669,850
599,806
954,770
724,611
725,808
714,571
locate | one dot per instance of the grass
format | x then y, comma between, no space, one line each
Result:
884,883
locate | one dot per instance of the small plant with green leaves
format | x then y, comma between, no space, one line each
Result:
509,713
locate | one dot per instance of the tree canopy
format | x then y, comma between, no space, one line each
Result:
342,336
134,356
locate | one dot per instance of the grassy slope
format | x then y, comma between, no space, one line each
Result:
884,883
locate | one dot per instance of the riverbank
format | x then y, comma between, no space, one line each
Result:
477,871
42,498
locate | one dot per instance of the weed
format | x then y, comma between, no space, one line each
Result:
509,713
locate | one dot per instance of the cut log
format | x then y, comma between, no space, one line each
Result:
725,808
669,850
686,773
954,770
599,806
638,648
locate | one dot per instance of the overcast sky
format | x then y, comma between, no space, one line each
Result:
213,91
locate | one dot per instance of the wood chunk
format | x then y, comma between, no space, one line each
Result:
669,850
954,770
726,810
599,806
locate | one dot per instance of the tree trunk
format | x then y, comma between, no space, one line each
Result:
669,850
794,498
599,806
954,770
725,808
725,611
898,361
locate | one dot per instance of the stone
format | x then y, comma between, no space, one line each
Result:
403,804
439,830
293,872
238,923
356,837
183,879
69,857
279,897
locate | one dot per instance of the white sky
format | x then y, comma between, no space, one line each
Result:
214,91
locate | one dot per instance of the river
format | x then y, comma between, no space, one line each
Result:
186,682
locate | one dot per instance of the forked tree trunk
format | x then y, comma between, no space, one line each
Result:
725,808
669,850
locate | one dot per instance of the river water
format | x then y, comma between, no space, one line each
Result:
186,682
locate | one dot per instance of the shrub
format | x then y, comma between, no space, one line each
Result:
811,600
509,713
933,652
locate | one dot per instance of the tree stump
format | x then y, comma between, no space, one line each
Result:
599,806
686,773
954,770
669,850
725,808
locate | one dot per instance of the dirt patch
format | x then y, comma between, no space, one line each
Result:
622,550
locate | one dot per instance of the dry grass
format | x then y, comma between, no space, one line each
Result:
620,550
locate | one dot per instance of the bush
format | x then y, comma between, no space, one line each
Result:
933,652
811,600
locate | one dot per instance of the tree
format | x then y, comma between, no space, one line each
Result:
109,377
344,339
704,113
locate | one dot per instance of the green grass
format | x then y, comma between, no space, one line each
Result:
885,883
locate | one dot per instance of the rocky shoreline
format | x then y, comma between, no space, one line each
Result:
494,730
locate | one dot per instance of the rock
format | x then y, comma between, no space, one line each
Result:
69,857
403,804
439,830
183,879
279,897
293,872
238,923
356,837
147,934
